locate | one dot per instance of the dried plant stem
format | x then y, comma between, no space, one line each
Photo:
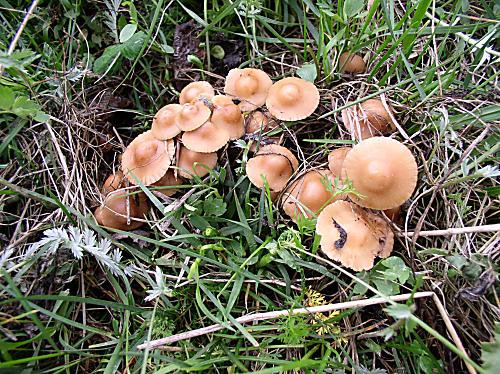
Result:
454,231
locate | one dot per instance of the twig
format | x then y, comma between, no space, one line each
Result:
454,231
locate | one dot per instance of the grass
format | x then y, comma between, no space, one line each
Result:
76,89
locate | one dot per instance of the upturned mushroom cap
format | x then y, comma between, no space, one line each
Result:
230,118
147,158
383,170
272,163
221,100
353,236
114,212
292,99
259,122
378,118
168,180
309,194
114,182
193,163
164,126
192,115
249,85
351,63
207,138
336,159
194,90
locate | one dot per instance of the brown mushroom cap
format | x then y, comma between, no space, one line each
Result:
353,236
308,195
376,115
147,158
383,170
274,163
192,116
230,118
351,63
114,212
393,214
292,99
259,122
221,100
164,126
194,90
207,138
114,182
248,85
193,163
336,159
168,180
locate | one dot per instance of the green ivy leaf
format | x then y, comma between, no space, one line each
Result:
107,59
127,32
7,98
491,353
308,72
132,47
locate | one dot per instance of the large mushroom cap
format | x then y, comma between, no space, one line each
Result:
230,118
207,138
259,122
112,183
353,236
336,160
249,85
147,158
351,63
192,115
119,207
383,170
292,99
194,90
164,126
274,164
193,163
166,184
309,194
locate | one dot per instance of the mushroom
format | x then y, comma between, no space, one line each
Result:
193,163
221,100
207,138
194,90
147,158
112,183
229,117
393,214
168,180
259,122
192,115
353,236
351,63
336,159
309,194
292,99
121,210
249,85
368,119
274,164
383,171
164,126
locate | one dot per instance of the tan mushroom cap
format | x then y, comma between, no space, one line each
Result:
308,195
292,99
193,163
221,100
147,158
164,126
114,212
194,90
259,122
274,164
114,182
249,85
230,118
336,159
383,170
351,63
353,236
207,138
375,113
168,180
192,116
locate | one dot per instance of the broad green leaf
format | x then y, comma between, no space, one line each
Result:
353,7
7,98
399,311
107,59
127,32
308,72
214,206
132,47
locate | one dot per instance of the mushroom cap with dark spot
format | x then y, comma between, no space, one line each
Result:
164,125
249,85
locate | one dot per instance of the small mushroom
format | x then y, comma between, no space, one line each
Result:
147,158
194,90
368,119
274,164
192,116
112,183
383,171
259,122
249,85
164,126
292,99
229,117
207,138
221,100
169,180
193,163
353,236
336,159
121,210
309,194
351,63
